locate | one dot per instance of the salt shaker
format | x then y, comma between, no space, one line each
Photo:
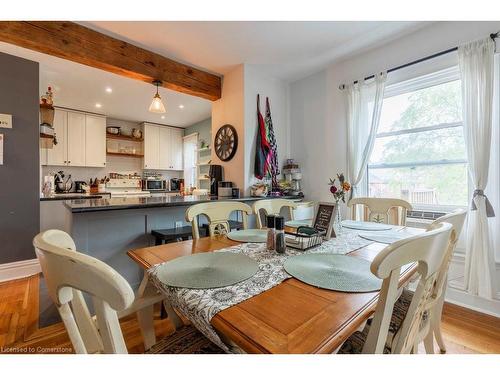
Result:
270,232
279,224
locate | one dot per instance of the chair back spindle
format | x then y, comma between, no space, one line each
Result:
217,214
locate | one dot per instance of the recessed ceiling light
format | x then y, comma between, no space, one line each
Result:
181,106
163,117
109,89
98,105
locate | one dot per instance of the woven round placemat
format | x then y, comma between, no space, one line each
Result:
365,225
207,270
248,235
387,237
335,272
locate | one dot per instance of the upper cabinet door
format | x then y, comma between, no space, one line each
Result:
176,149
164,148
58,155
76,139
151,147
95,141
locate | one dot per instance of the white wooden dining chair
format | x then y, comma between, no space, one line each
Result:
69,274
218,214
272,207
457,220
427,250
380,210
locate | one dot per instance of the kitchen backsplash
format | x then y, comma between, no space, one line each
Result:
118,164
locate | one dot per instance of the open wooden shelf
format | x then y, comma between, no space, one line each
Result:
123,137
124,154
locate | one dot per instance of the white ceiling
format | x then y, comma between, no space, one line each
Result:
81,87
288,50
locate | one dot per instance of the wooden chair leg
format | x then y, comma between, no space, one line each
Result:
429,343
436,329
146,323
436,324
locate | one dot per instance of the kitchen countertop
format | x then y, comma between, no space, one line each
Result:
71,196
108,204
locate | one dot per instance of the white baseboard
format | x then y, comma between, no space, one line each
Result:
464,299
18,270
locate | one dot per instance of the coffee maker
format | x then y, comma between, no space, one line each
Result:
215,175
293,176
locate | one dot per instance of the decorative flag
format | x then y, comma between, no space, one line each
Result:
272,161
262,148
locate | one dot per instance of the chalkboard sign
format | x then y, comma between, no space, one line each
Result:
324,218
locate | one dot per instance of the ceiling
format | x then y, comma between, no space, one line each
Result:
288,50
81,87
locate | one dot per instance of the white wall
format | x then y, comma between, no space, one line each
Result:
238,108
317,110
229,109
277,90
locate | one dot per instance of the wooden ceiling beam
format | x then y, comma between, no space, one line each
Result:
80,44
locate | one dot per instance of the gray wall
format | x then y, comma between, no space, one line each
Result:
19,174
204,129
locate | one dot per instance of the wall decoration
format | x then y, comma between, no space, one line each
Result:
226,142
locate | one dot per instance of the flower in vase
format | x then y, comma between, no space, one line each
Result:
343,187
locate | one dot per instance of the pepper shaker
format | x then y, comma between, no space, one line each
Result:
279,224
270,232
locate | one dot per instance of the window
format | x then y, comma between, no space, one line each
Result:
190,160
419,152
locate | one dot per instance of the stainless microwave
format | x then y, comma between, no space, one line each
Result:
154,185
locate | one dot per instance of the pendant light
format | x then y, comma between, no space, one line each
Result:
157,105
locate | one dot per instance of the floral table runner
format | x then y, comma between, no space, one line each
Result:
201,305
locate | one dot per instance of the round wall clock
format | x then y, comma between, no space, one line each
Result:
226,142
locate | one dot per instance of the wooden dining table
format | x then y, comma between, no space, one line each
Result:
292,317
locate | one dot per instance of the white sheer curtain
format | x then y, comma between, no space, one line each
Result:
476,68
364,105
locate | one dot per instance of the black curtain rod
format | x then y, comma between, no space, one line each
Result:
492,36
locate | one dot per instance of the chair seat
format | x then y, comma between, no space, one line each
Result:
354,344
186,340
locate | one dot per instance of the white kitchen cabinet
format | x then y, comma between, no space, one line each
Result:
151,146
162,147
95,141
75,136
165,148
58,155
176,148
81,140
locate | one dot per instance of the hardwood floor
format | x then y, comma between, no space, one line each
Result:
19,331
464,330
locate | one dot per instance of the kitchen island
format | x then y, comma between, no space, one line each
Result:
107,228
